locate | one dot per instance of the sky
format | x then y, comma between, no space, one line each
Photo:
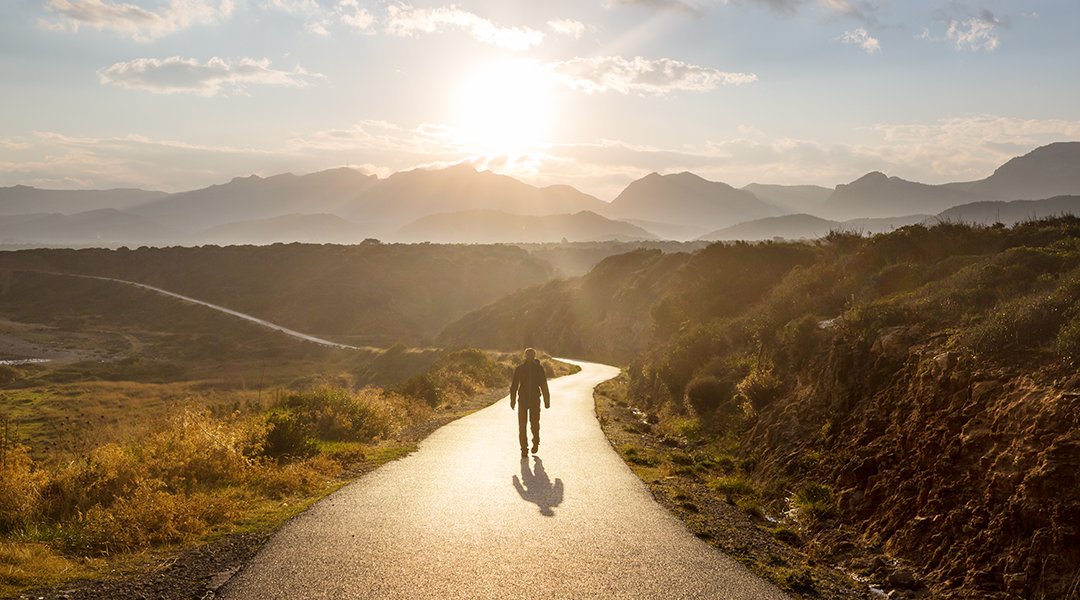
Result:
175,95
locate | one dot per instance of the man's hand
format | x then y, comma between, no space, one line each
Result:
547,405
511,404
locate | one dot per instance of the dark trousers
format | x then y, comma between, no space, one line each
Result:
528,414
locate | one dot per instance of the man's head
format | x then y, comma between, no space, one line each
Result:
530,354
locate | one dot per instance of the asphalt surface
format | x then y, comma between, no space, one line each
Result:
466,517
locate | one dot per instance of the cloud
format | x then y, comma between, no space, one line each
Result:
568,27
294,7
317,27
176,75
693,9
139,23
977,33
352,15
865,11
602,74
404,20
9,144
861,38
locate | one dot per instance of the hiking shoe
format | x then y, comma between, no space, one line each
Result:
535,448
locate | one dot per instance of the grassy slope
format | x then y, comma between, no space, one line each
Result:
368,293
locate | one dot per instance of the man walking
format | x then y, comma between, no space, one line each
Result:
529,383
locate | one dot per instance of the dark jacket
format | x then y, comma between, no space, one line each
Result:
530,382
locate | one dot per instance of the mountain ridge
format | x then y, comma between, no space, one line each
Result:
671,206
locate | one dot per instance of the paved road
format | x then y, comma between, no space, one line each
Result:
466,517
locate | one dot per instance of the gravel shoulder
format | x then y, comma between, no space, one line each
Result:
773,553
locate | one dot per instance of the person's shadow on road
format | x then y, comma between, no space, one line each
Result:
534,486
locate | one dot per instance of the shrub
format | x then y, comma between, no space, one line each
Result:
340,415
152,516
815,503
1068,340
760,388
8,374
422,387
705,394
787,535
288,436
732,485
20,491
801,582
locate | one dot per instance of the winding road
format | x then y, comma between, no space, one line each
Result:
466,517
247,317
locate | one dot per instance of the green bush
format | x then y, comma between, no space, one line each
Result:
422,387
732,485
815,503
760,388
706,394
287,435
1068,340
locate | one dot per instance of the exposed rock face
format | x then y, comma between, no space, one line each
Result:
970,472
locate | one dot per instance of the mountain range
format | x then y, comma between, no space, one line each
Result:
460,204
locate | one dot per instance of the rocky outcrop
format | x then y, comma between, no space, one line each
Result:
967,471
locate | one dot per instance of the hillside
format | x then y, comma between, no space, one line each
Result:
808,227
687,200
790,198
875,195
1045,172
286,229
484,226
1013,212
611,313
908,400
24,200
368,293
252,198
791,227
409,195
104,226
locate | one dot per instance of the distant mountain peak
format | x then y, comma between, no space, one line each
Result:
873,177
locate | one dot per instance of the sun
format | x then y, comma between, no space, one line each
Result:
506,108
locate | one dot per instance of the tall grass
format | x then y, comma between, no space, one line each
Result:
197,469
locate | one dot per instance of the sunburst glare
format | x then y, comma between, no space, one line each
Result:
506,108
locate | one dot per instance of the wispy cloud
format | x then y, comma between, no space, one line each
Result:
693,9
569,27
178,76
294,7
606,73
352,15
317,27
976,33
404,20
865,11
9,144
139,23
862,39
